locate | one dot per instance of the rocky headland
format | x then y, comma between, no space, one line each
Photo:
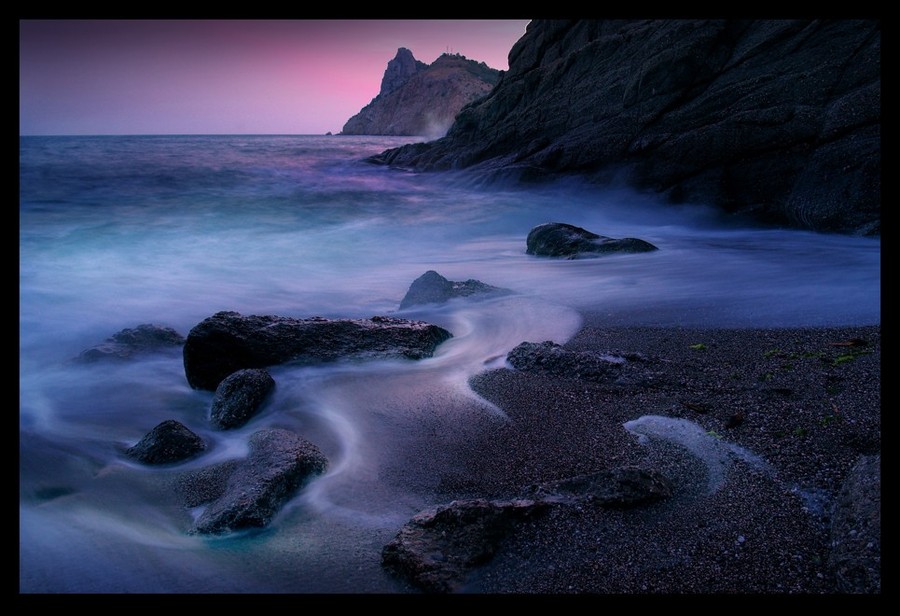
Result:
776,119
419,99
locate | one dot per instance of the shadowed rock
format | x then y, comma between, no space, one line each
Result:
555,359
227,342
432,288
438,547
856,530
556,239
280,461
168,442
127,343
239,396
779,119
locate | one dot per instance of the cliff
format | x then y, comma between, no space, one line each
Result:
779,119
421,99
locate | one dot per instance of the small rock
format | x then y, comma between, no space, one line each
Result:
168,442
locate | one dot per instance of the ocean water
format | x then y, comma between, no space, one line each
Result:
119,231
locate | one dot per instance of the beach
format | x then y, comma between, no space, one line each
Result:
792,409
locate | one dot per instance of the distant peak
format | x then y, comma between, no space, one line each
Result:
399,70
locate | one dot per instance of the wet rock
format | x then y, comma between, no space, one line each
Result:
279,463
432,288
438,547
228,341
145,338
557,239
555,359
623,487
199,486
856,530
168,442
239,396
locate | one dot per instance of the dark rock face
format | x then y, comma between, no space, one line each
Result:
778,119
400,70
856,530
279,463
168,442
239,396
146,338
556,239
420,99
432,288
227,342
438,547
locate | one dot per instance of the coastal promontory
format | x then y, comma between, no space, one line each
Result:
779,120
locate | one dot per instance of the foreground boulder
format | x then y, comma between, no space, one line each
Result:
438,547
145,338
239,396
279,462
168,442
777,119
227,342
432,288
856,530
557,239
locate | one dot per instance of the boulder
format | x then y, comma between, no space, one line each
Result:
239,396
555,359
856,530
228,341
168,442
438,547
279,462
556,239
432,288
146,338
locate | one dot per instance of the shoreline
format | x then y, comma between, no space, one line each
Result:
793,408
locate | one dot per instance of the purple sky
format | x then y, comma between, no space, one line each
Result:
223,76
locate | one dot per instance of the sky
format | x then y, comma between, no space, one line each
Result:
106,77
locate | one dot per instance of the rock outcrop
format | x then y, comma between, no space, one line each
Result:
778,119
228,341
239,396
279,462
145,338
432,288
169,442
438,547
422,100
557,239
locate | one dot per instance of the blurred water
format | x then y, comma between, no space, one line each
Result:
118,231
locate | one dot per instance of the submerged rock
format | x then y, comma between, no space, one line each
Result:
557,239
280,461
239,396
127,343
168,442
228,341
432,288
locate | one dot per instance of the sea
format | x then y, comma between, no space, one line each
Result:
118,231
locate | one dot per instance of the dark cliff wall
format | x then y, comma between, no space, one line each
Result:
421,99
778,119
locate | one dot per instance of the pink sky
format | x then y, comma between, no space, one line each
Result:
225,76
